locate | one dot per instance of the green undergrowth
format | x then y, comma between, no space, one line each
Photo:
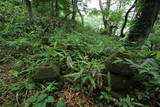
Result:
80,52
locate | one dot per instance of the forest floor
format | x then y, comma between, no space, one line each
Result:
80,53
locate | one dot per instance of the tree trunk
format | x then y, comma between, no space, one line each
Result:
106,23
108,4
126,19
56,8
144,23
120,4
29,6
103,15
52,8
74,12
79,11
109,26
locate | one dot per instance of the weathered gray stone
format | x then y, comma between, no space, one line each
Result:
120,68
121,83
47,72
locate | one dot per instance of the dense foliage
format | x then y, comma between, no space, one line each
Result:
80,52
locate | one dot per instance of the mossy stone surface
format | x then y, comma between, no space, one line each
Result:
47,72
120,68
121,83
122,74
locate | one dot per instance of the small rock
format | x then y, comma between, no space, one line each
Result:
47,72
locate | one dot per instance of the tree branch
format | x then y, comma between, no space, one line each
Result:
126,19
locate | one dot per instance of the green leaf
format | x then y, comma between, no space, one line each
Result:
61,104
15,73
50,99
16,87
52,53
158,55
31,100
41,97
78,74
40,105
30,86
84,79
118,60
92,82
139,104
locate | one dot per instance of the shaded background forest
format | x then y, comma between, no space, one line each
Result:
63,53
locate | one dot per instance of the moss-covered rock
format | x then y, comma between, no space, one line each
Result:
120,68
47,72
121,83
121,73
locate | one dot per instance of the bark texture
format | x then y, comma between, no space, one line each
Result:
103,15
56,8
29,6
74,12
52,7
141,29
79,11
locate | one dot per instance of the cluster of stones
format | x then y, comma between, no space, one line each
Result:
121,73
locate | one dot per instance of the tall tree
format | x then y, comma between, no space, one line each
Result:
144,22
29,6
105,15
105,22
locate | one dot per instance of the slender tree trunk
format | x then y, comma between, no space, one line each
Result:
144,23
52,8
29,6
120,4
56,8
126,19
109,26
106,23
74,12
103,15
82,19
108,4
